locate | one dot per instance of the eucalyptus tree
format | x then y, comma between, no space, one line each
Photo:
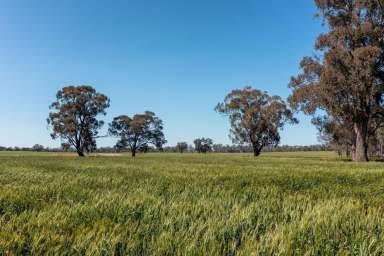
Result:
255,117
74,116
138,132
346,79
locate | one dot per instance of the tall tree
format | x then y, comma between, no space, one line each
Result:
181,146
255,117
346,80
74,116
138,132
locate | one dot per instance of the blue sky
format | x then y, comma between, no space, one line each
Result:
176,58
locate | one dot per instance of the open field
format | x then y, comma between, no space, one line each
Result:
166,204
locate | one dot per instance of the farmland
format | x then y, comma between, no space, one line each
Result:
191,204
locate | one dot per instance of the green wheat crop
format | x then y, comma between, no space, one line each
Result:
190,204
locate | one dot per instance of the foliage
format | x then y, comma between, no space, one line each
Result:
255,117
74,116
347,80
139,132
181,146
203,145
38,148
338,134
65,147
190,204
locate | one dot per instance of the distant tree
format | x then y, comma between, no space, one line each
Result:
138,132
38,148
74,116
65,147
170,149
255,117
219,148
181,146
339,135
203,145
346,81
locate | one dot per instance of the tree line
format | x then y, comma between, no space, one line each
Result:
256,119
341,87
188,148
237,148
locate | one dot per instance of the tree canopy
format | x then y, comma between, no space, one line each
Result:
203,145
74,116
138,132
181,146
255,117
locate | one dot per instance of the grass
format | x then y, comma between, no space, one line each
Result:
190,204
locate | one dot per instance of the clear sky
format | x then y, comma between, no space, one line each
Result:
177,58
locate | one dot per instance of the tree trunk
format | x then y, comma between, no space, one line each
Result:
256,151
80,153
79,148
133,152
361,149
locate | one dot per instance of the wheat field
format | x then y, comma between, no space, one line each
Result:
190,204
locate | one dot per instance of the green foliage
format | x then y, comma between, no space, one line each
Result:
194,204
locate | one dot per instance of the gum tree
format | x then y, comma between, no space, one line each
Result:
74,116
255,117
346,80
138,132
